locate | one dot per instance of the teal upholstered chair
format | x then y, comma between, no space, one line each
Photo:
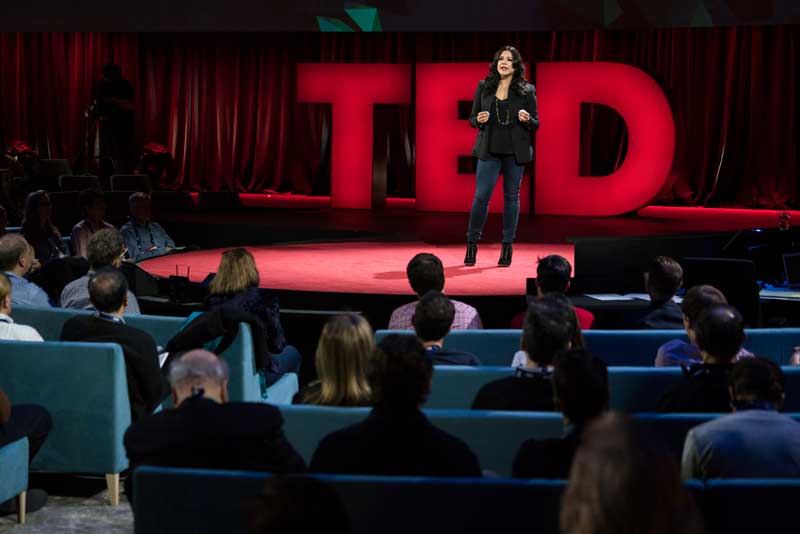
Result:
454,387
85,389
14,474
178,501
494,437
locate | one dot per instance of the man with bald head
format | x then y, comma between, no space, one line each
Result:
204,430
17,260
719,334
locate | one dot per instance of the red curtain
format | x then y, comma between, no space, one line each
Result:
224,103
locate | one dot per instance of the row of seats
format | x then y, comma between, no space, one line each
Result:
616,347
178,501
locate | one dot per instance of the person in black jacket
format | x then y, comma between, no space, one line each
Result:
504,112
719,334
396,438
108,293
235,286
662,281
550,327
580,385
204,430
432,319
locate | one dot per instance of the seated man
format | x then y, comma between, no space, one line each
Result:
679,352
108,294
93,208
550,327
143,237
719,334
105,249
24,421
661,282
396,438
16,260
552,276
753,442
426,273
8,328
580,385
432,319
204,430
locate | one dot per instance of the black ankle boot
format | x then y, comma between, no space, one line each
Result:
505,255
472,254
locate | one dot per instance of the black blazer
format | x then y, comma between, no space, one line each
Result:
520,133
146,385
203,434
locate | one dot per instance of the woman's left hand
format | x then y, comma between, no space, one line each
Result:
524,116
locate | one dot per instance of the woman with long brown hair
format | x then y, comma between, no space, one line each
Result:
39,230
343,360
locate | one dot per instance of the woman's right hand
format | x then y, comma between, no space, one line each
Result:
483,117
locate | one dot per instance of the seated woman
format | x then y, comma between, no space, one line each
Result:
342,359
38,229
236,285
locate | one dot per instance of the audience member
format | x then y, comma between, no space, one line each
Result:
17,260
38,229
24,421
299,505
343,360
753,442
552,276
143,237
426,273
396,438
662,281
550,328
432,319
93,210
623,482
679,352
236,286
108,294
9,330
719,334
580,385
104,249
204,430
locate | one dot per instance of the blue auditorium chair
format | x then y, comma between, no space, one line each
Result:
746,506
178,501
14,471
85,389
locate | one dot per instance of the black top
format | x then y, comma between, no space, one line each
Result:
146,385
394,442
529,390
662,316
203,434
548,458
46,246
704,388
500,124
441,356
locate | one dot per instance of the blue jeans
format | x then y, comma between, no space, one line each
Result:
288,361
485,179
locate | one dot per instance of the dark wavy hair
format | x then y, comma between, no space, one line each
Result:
30,223
519,83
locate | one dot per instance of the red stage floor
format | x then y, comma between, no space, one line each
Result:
378,268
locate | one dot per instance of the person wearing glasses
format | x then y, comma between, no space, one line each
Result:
105,249
143,237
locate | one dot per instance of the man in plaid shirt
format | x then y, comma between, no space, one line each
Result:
426,273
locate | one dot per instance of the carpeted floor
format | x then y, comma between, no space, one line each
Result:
62,515
365,267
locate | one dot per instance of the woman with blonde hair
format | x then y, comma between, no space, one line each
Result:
343,360
236,286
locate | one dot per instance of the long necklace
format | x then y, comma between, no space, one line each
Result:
497,113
